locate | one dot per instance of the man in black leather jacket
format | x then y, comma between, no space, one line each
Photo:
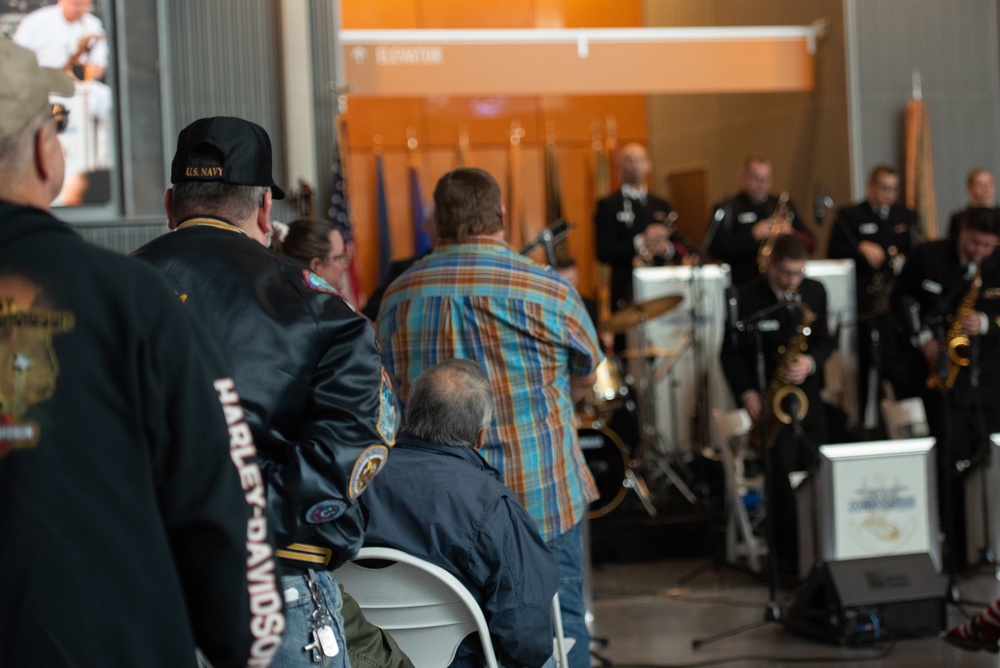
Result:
306,364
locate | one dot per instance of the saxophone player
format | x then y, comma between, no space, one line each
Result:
938,282
805,315
742,223
878,234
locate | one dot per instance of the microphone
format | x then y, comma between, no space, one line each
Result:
554,233
790,404
732,307
912,315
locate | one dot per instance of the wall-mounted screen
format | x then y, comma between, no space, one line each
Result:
75,35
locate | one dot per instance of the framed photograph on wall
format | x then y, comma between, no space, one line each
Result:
75,35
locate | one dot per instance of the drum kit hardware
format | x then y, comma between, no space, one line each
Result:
633,315
618,466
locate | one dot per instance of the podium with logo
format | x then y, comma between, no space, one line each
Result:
878,558
875,499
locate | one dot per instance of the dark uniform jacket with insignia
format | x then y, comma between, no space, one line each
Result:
123,525
861,223
730,239
935,279
445,504
739,360
309,374
616,225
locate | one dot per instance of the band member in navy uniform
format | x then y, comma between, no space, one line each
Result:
878,235
805,308
936,280
633,223
742,223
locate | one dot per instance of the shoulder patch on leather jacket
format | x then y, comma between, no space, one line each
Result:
318,283
324,511
386,411
367,466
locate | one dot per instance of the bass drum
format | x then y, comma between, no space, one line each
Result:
608,461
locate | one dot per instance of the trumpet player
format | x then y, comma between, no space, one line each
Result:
948,298
633,224
878,235
795,342
742,223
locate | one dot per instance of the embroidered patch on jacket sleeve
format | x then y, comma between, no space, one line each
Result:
367,466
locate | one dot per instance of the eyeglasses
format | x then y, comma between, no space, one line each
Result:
784,273
60,114
343,257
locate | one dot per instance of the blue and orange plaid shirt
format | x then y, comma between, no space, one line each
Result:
528,329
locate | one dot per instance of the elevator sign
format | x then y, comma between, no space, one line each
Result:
405,63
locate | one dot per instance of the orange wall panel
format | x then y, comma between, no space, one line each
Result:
587,14
367,117
487,120
381,14
573,116
475,13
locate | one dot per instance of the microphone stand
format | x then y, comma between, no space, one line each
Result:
548,237
772,611
987,557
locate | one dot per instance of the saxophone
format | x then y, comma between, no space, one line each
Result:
957,343
777,219
779,388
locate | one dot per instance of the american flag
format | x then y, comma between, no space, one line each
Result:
339,213
382,215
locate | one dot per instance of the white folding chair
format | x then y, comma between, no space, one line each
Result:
741,539
561,645
905,418
422,606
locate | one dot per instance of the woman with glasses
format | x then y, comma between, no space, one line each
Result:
320,246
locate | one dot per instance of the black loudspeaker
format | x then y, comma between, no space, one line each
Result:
864,600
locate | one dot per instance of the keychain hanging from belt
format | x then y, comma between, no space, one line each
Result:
323,641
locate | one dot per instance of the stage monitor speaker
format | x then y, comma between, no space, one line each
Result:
864,600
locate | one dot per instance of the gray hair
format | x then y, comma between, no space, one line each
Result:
231,202
450,404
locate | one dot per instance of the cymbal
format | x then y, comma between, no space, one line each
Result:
632,315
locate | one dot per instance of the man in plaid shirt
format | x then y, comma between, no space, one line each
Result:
475,298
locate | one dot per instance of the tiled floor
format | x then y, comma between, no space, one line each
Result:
648,620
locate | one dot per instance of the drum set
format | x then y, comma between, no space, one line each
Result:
616,429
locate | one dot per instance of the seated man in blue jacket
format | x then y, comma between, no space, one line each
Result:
439,500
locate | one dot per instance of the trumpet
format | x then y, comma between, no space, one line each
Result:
778,219
645,257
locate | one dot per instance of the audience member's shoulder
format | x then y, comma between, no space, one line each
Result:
318,295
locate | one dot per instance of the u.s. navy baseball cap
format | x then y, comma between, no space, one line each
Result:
25,87
244,151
